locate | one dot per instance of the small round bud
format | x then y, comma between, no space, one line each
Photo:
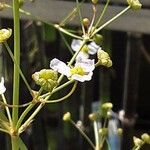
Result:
146,138
2,6
98,39
103,131
5,34
93,116
94,1
109,115
119,131
135,4
107,106
137,142
67,116
86,22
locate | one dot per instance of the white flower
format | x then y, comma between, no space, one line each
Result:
2,87
87,50
82,70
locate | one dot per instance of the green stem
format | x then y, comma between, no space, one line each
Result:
102,14
20,71
65,97
27,122
83,134
3,130
16,16
7,109
24,114
97,140
111,20
17,59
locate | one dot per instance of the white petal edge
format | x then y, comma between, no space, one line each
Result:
93,48
76,44
60,67
2,87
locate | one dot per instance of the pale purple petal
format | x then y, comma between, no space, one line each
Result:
60,67
93,48
2,87
76,44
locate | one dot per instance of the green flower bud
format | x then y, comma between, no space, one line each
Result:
137,142
104,58
46,78
93,116
119,131
98,39
67,116
146,138
135,4
103,131
86,22
107,106
2,6
94,1
5,34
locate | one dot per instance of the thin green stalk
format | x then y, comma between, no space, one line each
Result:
20,71
66,43
3,130
111,20
17,59
80,16
24,114
7,109
65,97
27,122
96,133
102,14
83,134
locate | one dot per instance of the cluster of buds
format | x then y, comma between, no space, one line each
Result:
46,78
5,34
135,4
139,142
104,58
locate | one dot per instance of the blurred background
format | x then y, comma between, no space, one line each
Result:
125,84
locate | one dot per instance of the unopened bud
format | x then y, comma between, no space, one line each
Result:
94,1
119,131
93,116
98,39
46,78
146,138
107,106
104,58
5,34
135,4
67,116
86,22
2,6
137,142
103,131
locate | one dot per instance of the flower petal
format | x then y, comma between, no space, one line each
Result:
2,87
82,55
87,64
60,67
83,78
93,48
76,44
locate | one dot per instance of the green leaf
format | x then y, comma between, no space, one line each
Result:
22,146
